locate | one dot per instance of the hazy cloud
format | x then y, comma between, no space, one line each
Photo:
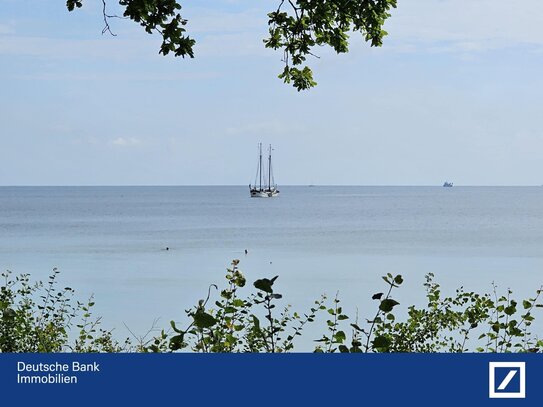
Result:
125,142
467,25
6,28
56,48
206,21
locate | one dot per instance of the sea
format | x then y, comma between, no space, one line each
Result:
148,253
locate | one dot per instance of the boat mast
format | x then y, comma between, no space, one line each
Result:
260,165
269,169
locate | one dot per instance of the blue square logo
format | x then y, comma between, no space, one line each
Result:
507,379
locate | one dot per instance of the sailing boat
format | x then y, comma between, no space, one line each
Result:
261,189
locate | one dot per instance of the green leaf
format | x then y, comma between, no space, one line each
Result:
387,304
71,4
265,284
177,342
204,320
528,317
256,322
9,313
510,310
381,342
340,336
237,303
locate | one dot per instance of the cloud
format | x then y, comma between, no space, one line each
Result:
117,77
266,128
6,28
71,48
467,25
227,33
125,142
207,20
91,140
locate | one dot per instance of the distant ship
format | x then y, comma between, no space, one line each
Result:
448,184
268,188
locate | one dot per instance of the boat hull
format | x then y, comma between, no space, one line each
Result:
264,194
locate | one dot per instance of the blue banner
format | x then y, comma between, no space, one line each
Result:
271,379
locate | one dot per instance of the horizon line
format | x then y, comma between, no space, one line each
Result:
242,185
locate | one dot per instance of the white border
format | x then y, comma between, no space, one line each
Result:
521,394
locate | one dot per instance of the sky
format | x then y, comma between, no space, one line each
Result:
455,93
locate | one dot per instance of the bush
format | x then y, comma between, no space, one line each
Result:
42,318
467,321
236,324
39,318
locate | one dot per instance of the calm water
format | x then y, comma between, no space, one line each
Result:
110,241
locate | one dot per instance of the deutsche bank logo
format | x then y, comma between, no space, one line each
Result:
507,380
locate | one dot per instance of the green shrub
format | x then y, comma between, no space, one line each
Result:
466,321
40,317
236,324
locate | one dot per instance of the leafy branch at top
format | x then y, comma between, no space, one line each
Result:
296,27
155,16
